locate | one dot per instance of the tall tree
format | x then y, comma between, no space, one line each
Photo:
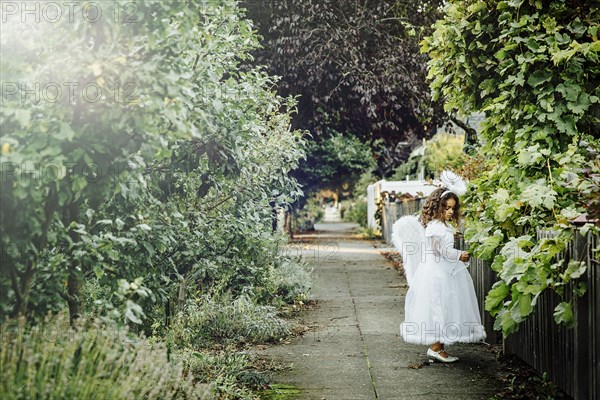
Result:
356,66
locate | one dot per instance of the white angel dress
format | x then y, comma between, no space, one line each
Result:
441,305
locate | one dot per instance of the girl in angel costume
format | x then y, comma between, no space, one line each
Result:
441,306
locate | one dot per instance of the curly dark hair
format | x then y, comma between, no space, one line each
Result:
436,205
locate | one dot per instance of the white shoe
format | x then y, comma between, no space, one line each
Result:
436,356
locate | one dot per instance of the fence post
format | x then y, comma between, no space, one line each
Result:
583,346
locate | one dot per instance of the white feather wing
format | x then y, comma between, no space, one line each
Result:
408,236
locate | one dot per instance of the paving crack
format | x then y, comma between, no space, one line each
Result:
365,349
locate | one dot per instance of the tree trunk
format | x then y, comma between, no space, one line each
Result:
74,280
182,295
470,135
21,284
168,313
273,216
74,284
287,225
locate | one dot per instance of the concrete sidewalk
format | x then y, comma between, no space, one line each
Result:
353,349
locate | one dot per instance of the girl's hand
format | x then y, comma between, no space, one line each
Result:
464,256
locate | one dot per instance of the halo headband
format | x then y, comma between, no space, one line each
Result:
453,183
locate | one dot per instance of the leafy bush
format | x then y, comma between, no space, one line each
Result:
207,320
187,173
289,280
55,362
229,372
357,212
444,151
306,217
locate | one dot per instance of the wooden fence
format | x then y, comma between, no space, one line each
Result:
394,210
569,357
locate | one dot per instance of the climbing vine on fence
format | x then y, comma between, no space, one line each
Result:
533,68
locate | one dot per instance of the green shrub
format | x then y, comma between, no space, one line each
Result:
357,212
311,213
290,280
55,362
230,372
207,320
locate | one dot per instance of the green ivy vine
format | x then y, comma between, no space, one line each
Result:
533,68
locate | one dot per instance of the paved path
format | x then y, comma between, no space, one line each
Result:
353,349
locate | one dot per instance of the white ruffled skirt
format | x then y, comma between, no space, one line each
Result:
441,306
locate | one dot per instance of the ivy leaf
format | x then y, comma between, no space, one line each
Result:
539,195
501,196
98,271
503,212
569,91
515,263
563,314
530,155
574,270
133,312
495,297
539,77
581,105
498,263
489,245
580,289
524,306
507,323
549,24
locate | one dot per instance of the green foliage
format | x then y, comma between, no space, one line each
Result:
225,371
408,168
356,212
365,179
289,281
175,186
332,162
532,68
444,151
369,233
127,205
356,67
209,320
59,363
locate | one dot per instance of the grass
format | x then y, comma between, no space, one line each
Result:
207,321
56,362
279,392
369,233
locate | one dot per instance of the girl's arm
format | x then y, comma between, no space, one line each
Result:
447,251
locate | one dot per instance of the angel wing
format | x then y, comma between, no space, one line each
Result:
408,236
